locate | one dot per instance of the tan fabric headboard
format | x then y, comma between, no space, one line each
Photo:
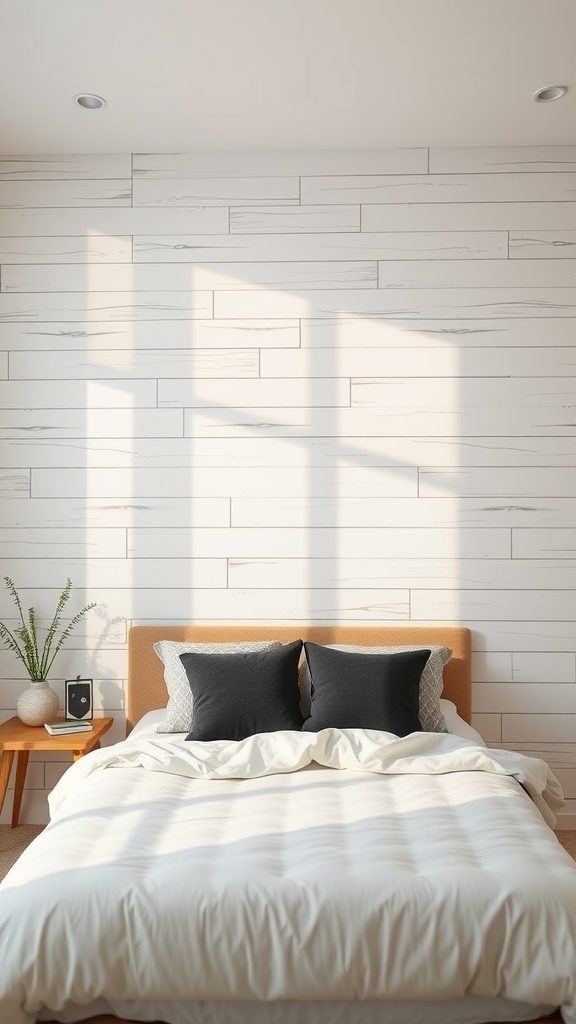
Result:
147,690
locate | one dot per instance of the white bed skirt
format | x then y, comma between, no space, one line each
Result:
472,1010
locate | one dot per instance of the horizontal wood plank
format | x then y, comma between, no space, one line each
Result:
149,277
501,159
515,215
139,335
74,167
370,416
394,511
125,365
104,306
351,543
58,422
539,245
101,192
441,188
347,482
321,245
106,512
357,331
42,250
215,191
259,220
399,303
206,394
411,361
242,164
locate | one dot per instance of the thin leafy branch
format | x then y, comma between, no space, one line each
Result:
23,640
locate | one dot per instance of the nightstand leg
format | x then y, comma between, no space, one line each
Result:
21,767
5,769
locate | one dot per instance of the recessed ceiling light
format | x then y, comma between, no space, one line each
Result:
549,93
90,101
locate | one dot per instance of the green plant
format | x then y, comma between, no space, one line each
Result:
23,641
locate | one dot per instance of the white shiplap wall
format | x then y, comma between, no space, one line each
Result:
305,386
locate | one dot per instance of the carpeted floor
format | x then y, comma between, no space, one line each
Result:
13,841
568,840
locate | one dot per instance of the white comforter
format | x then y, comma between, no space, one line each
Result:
418,869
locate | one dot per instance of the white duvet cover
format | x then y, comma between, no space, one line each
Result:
341,866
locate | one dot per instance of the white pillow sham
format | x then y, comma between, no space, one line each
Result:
148,722
457,726
179,710
431,682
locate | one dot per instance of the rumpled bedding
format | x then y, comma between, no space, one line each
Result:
355,749
342,865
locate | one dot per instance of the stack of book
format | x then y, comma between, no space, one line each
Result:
63,726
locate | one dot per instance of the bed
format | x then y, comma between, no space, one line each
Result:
330,876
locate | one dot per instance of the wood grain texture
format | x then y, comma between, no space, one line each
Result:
247,164
455,335
462,216
137,336
102,192
71,167
327,384
440,188
538,245
42,251
298,219
502,159
320,245
215,191
191,279
124,365
104,306
405,417
398,303
95,422
443,510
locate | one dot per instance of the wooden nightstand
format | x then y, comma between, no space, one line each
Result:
15,736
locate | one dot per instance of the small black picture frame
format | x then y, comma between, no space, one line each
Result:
78,699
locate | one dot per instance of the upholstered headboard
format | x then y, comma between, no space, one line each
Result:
147,690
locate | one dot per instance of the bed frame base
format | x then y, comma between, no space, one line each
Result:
555,1018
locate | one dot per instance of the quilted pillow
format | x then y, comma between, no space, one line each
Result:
431,682
364,691
239,695
179,710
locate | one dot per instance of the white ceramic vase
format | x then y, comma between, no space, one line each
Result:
37,704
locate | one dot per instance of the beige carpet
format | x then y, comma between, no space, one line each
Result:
13,841
568,840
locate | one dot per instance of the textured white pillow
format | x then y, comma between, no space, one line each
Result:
457,726
179,708
431,682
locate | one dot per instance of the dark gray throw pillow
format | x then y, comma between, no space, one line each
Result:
364,691
238,695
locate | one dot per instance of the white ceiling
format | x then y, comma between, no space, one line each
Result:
187,75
